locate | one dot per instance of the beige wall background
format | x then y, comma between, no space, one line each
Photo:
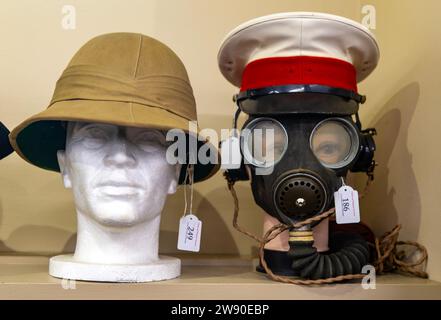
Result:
37,214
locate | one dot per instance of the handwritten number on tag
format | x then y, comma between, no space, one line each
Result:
189,237
346,205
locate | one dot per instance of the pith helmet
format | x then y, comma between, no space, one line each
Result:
125,79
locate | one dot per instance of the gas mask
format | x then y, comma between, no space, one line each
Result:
310,154
307,156
303,133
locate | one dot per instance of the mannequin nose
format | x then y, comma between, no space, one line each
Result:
119,155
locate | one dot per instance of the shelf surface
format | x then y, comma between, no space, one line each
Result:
212,278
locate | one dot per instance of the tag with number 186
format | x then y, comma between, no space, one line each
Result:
346,205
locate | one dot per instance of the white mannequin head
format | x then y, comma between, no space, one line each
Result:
120,180
119,175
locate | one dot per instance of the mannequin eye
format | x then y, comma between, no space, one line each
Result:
149,141
96,132
264,142
94,136
334,143
329,148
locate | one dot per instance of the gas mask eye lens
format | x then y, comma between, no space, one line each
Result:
334,143
264,142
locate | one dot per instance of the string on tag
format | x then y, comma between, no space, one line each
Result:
190,227
189,176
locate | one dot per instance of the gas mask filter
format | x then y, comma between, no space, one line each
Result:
298,74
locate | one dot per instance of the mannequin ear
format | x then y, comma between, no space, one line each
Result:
175,179
61,156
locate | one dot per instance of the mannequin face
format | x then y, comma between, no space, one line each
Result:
119,175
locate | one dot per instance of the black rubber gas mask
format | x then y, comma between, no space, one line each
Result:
297,160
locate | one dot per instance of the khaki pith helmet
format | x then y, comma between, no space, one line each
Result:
125,79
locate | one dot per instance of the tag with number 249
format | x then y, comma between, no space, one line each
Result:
189,237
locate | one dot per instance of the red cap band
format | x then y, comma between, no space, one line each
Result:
279,71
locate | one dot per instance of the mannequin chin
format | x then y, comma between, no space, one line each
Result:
120,180
280,243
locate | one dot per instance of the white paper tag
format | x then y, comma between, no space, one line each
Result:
346,205
189,236
230,153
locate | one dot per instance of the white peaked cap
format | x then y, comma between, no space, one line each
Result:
295,34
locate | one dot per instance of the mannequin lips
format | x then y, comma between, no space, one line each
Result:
119,189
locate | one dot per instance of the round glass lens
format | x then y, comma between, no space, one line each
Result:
266,142
331,143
